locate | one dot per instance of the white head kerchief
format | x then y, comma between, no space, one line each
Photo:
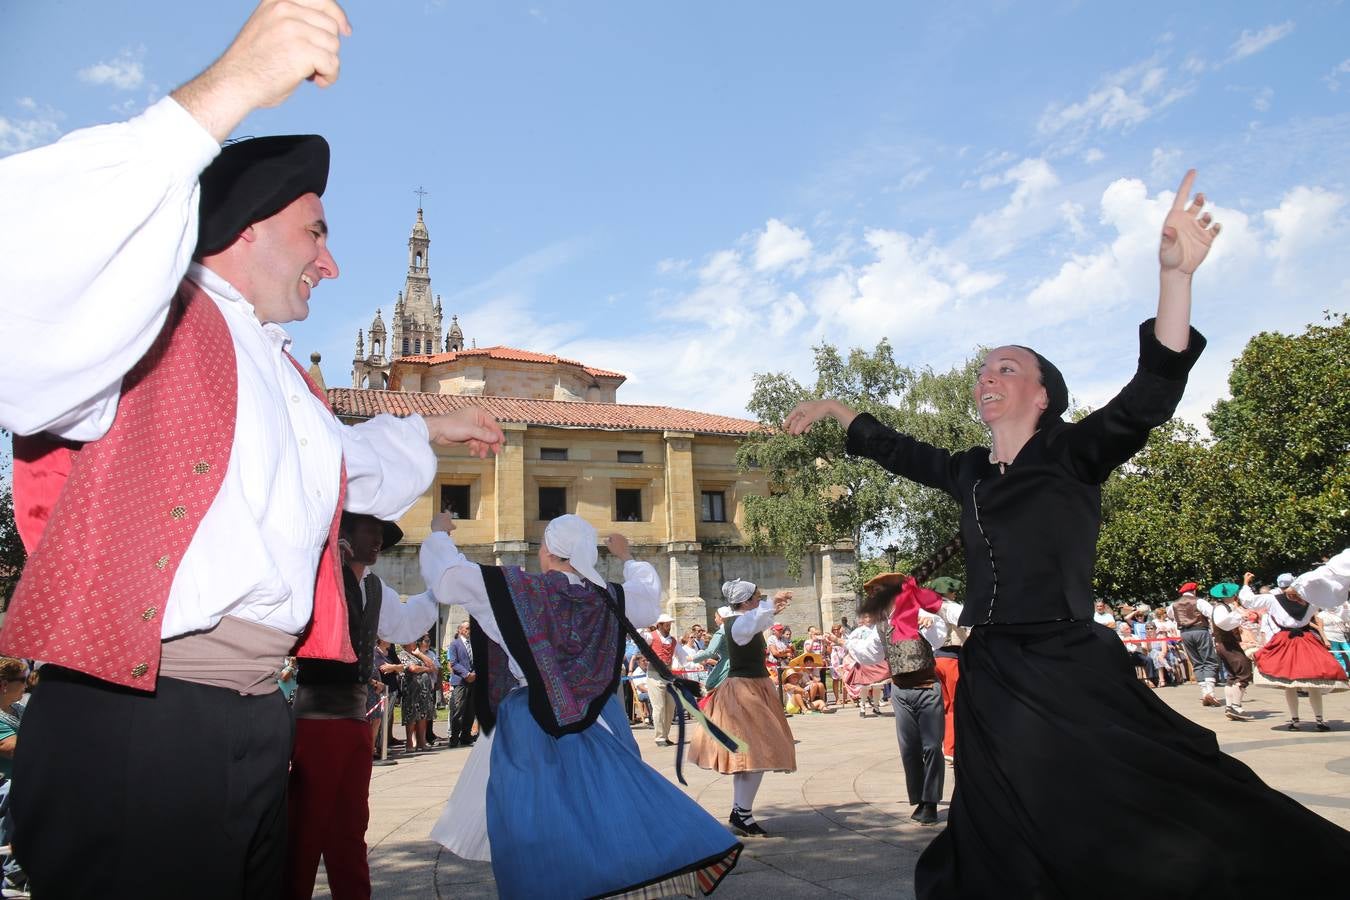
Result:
737,591
572,538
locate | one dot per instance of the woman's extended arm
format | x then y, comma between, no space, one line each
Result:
1187,235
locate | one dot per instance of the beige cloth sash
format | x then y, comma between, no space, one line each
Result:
237,654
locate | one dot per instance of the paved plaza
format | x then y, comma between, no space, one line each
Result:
840,826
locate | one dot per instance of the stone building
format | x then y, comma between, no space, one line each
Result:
664,477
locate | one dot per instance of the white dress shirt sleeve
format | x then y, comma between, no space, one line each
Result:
935,631
1226,618
1327,585
96,231
402,622
389,463
745,626
1206,608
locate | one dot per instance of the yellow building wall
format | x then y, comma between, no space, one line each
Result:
504,490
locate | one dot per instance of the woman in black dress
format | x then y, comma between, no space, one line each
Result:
1058,742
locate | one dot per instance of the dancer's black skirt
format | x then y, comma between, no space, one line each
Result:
1074,781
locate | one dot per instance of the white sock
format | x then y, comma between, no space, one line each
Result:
744,786
1291,698
1207,688
1315,699
1232,696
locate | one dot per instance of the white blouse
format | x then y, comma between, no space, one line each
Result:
454,578
1267,604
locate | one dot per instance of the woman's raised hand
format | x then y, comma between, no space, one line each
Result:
1187,231
809,412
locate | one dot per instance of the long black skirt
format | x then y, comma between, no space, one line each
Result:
1073,780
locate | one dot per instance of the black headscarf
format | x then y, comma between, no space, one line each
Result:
1052,379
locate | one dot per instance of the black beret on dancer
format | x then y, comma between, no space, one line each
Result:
254,179
392,533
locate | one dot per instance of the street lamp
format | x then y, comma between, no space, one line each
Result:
892,554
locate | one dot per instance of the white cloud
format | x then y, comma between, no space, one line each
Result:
1194,65
39,125
1124,99
124,72
1332,78
907,288
1001,230
1252,42
780,245
1165,165
1093,155
1073,219
671,265
1261,99
913,178
1307,220
1126,269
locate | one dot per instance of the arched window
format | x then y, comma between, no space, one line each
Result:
417,345
405,346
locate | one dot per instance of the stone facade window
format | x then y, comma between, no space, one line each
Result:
552,503
714,506
627,505
455,500
554,453
630,456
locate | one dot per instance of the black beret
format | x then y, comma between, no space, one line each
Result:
254,179
392,533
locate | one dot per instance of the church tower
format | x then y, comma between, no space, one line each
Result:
414,327
417,317
454,338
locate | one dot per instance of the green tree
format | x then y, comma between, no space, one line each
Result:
1285,437
12,555
1268,491
819,494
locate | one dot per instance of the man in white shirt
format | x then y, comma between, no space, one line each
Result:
1102,615
206,487
1191,613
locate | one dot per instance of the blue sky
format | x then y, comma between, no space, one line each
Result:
692,193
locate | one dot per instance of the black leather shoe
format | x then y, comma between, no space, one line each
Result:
925,814
743,827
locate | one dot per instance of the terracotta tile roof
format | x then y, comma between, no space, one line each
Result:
510,353
556,413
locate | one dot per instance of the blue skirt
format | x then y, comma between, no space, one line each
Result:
583,816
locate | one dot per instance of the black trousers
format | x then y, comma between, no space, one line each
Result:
461,711
920,724
179,793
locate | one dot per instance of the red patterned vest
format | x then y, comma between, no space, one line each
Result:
108,523
665,651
